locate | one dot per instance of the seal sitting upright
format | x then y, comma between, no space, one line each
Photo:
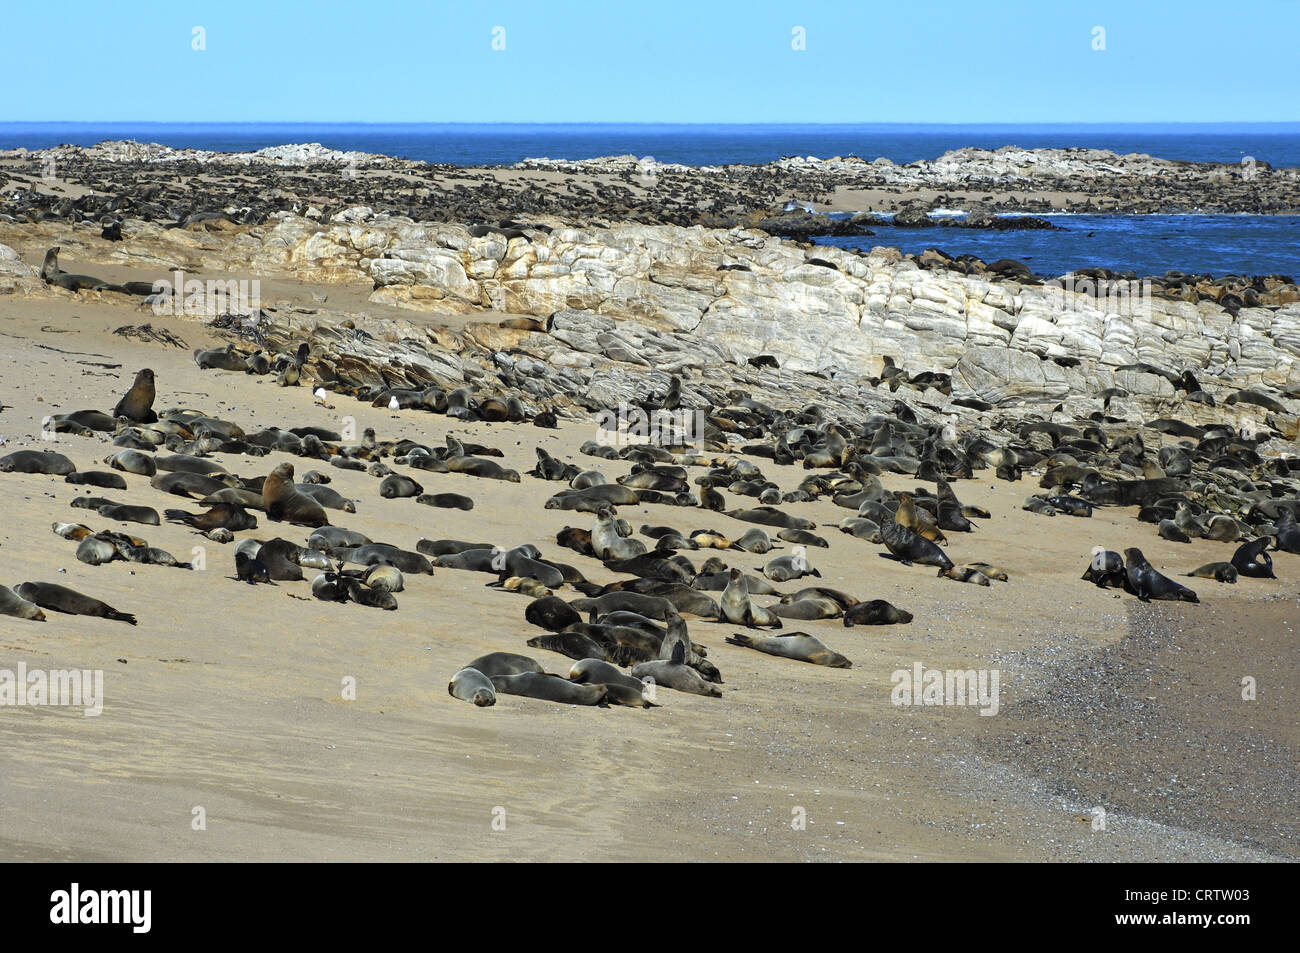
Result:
284,501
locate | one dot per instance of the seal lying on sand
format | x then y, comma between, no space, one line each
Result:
48,595
676,674
12,604
799,646
471,685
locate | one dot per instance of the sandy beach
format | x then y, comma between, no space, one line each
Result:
229,698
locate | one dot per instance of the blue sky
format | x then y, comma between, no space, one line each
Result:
864,61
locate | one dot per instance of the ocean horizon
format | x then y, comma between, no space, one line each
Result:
688,143
1147,244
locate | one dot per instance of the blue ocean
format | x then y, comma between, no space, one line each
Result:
1148,244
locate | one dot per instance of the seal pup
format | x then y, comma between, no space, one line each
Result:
1147,584
917,519
1106,568
446,501
48,595
397,486
124,513
799,646
251,570
965,574
1221,572
471,685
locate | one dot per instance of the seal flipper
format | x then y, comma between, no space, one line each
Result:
679,654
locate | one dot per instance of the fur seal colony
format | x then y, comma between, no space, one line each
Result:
632,572
1211,482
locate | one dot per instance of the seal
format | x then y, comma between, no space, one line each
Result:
606,542
471,685
329,538
676,674
908,548
285,502
75,531
1147,584
133,461
551,613
575,645
1250,559
597,672
739,609
51,275
550,688
137,404
385,577
98,478
229,516
12,604
48,595
917,519
652,607
785,568
221,358
396,486
1106,568
123,513
505,663
37,461
372,553
799,646
807,608
480,467
180,483
1222,572
875,612
966,574
769,516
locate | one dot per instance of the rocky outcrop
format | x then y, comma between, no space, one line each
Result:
16,276
841,313
710,296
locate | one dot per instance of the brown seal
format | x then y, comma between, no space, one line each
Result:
286,502
137,405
